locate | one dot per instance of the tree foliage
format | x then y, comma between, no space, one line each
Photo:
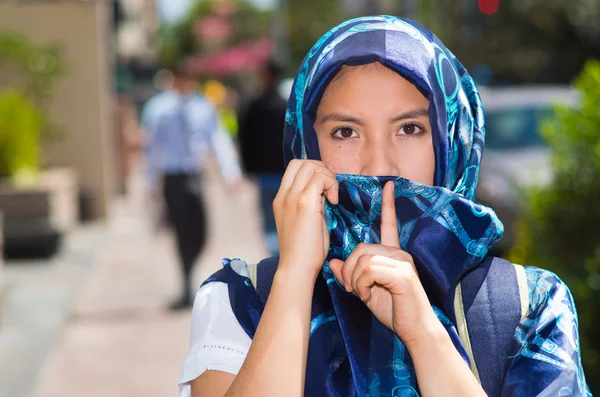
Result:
524,42
308,20
560,229
183,40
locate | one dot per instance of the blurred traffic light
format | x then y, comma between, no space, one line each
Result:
488,7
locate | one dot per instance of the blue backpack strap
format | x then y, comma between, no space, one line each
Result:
218,276
488,308
265,271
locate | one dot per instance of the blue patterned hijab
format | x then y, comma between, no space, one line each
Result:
439,225
446,233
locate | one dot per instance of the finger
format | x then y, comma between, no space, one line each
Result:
301,179
389,222
364,262
317,186
331,192
306,172
336,267
290,173
361,249
350,263
375,274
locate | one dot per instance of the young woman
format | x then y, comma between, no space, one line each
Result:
383,141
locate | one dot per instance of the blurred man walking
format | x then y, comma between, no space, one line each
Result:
181,127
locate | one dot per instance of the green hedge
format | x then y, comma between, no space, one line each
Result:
20,126
560,229
28,77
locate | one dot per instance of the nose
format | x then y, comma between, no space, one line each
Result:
379,159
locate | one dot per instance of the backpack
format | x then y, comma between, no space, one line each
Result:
489,303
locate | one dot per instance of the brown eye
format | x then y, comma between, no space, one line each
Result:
344,133
410,129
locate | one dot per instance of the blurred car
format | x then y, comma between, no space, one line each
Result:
516,156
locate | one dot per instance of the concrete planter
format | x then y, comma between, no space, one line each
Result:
36,216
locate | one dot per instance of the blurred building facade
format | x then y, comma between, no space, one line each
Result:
83,99
136,30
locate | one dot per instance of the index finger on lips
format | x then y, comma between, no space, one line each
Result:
389,222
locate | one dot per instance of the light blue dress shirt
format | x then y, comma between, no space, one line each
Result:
181,130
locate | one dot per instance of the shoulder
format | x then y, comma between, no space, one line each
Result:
212,314
547,360
159,100
217,341
158,103
548,292
552,309
212,292
213,319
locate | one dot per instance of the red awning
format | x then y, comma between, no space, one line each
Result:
242,57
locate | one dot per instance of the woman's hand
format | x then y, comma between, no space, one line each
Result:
277,359
385,279
300,217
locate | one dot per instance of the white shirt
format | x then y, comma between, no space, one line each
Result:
217,341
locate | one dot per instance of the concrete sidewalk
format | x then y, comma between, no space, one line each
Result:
119,340
37,299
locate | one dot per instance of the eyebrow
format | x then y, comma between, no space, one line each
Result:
345,118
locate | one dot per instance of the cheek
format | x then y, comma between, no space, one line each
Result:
342,165
429,167
416,162
339,157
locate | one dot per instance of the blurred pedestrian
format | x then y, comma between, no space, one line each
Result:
261,139
181,127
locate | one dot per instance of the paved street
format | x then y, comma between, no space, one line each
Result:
115,338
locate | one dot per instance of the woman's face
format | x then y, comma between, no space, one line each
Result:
371,121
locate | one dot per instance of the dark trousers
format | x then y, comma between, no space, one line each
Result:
185,209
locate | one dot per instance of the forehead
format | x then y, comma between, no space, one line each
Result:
347,70
373,77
